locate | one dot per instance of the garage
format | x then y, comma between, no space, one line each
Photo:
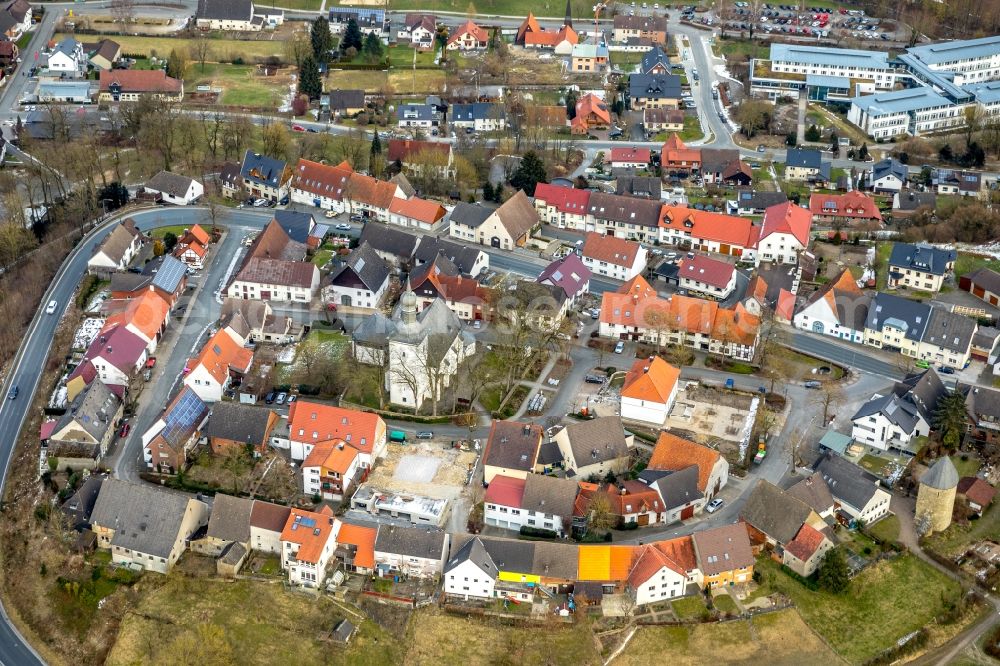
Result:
687,512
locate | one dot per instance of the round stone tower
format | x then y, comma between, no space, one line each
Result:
936,496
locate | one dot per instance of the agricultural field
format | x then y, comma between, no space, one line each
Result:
243,85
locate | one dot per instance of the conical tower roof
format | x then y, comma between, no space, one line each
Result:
942,475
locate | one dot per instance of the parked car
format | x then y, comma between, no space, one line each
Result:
477,323
946,370
343,227
425,434
298,128
620,347
125,429
813,384
714,505
280,400
290,400
269,398
330,214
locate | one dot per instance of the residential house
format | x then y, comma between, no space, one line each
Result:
506,227
589,57
8,53
895,420
562,207
636,312
614,257
806,164
655,61
128,85
320,185
231,181
416,552
418,116
417,156
983,406
596,447
656,575
851,208
570,274
856,493
838,308
724,167
676,157
267,522
805,552
649,391
470,571
232,425
146,315
393,245
813,489
174,188
703,276
699,230
654,91
119,247
630,502
145,526
370,197
228,524
630,158
311,423
784,233
678,491
639,187
984,343
330,470
888,175
724,555
983,283
920,266
265,177
592,112
192,247
771,289
307,544
356,548
252,321
419,30
236,16
275,268
360,282
104,54
907,203
82,435
674,454
67,58
416,213
536,501
346,103
115,356
300,227
220,361
977,493
624,217
919,330
960,183
478,117
370,20
15,18
776,518
440,279
532,36
511,450
470,261
467,37
656,120
652,28
752,202
167,443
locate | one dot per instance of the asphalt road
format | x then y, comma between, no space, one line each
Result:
856,357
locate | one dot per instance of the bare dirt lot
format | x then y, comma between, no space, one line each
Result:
425,468
709,414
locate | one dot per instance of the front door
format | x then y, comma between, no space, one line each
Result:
687,512
495,241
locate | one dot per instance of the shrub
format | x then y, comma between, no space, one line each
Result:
630,525
529,531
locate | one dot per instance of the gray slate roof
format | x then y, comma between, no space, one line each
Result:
654,86
238,422
411,541
678,488
384,238
987,278
923,389
653,57
93,410
920,257
597,440
903,313
230,520
814,492
513,445
806,158
473,550
262,169
233,10
849,484
949,330
462,256
889,167
145,518
548,494
470,215
898,411
942,475
365,263
774,512
169,183
909,201
296,224
556,560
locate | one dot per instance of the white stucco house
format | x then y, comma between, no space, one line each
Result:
175,189
649,391
471,572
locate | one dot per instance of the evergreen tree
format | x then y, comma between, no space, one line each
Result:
812,133
834,575
487,191
177,63
950,418
352,36
863,153
791,139
498,193
571,104
322,39
529,173
834,142
376,144
310,83
372,48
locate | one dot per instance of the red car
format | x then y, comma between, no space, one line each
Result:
151,362
123,433
298,128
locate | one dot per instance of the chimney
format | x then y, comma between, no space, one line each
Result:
340,446
623,491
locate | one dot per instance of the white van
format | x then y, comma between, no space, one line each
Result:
51,307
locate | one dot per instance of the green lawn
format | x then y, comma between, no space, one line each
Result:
220,49
690,608
23,41
520,8
626,60
954,540
882,253
967,467
873,464
884,603
241,86
160,232
725,604
322,257
692,129
967,263
305,5
402,56
886,529
741,47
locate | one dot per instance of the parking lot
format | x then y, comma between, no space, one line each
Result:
809,22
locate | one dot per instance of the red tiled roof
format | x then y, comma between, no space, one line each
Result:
718,227
417,209
853,204
564,199
591,104
405,149
651,379
140,81
676,151
220,354
650,561
805,542
785,308
630,155
363,538
551,37
705,269
310,530
675,453
320,423
479,34
371,191
505,491
787,218
976,490
617,251
336,455
322,179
